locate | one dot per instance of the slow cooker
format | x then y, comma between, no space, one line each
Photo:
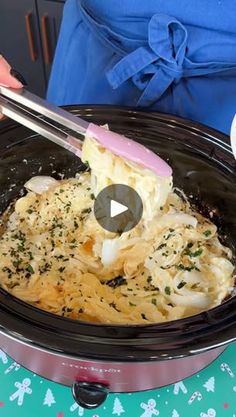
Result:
95,359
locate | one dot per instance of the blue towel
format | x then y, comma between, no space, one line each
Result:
176,57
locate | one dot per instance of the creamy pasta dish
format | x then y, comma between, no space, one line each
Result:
55,255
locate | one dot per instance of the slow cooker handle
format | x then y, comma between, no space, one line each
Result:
89,394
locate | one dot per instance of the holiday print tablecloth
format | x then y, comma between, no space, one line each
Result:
211,393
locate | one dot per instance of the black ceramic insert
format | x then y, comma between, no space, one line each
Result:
203,167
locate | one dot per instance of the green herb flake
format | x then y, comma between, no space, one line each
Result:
181,285
113,305
86,211
154,301
30,269
76,225
30,256
187,268
163,245
196,253
131,304
167,290
207,233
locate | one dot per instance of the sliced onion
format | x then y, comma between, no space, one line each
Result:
195,300
110,250
190,277
175,219
40,184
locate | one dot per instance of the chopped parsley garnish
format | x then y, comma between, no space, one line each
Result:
8,271
68,206
17,263
154,301
61,269
131,304
207,233
76,224
87,210
181,285
187,268
113,305
30,269
45,268
196,253
116,282
163,245
167,290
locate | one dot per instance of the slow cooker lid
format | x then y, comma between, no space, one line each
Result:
203,166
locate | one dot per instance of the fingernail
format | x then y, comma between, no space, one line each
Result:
18,76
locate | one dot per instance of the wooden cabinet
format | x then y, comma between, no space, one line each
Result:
49,15
28,36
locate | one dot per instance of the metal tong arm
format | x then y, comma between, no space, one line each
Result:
19,106
41,126
43,107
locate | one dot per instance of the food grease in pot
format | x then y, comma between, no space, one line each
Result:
55,256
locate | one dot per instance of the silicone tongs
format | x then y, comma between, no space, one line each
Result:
28,109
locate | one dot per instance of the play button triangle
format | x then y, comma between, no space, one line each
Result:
117,208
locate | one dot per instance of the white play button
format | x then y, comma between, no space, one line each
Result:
117,208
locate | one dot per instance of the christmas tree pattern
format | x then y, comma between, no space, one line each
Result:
210,384
117,407
49,398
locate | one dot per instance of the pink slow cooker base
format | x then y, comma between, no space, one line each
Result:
118,376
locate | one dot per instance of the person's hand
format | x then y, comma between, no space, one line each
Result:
6,77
